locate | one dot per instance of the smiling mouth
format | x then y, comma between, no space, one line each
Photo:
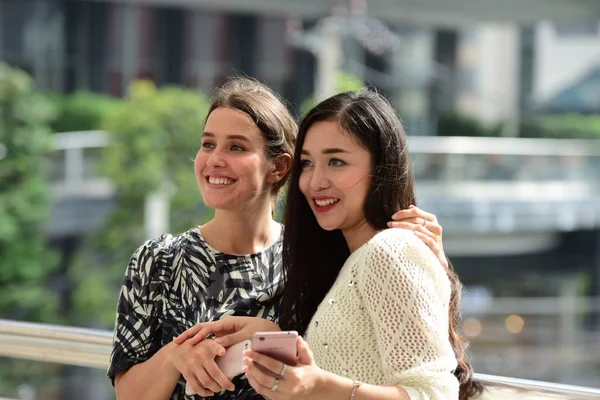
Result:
325,203
219,181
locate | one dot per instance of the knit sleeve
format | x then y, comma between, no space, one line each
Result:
406,292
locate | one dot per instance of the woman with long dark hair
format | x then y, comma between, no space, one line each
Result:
372,300
379,312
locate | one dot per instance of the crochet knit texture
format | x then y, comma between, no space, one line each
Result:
385,319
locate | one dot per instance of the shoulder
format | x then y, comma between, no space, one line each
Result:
395,242
168,244
400,248
150,260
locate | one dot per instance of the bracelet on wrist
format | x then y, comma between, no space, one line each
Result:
355,385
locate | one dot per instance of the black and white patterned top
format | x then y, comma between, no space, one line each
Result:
176,281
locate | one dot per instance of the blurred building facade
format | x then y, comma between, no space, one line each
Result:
491,71
102,46
505,70
73,45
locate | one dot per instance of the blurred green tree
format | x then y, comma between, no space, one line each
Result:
154,138
26,262
455,124
27,265
82,111
561,126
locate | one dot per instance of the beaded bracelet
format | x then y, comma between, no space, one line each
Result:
355,385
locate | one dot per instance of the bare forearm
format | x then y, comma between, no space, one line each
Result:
340,388
154,379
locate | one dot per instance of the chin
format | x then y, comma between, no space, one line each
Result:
217,202
328,225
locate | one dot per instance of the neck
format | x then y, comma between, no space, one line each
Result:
242,231
358,235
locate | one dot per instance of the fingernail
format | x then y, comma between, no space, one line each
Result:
245,368
411,206
389,224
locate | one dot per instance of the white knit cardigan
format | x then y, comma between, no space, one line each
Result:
385,319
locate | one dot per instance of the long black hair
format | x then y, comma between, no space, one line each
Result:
312,256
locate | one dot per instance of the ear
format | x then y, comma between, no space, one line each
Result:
280,167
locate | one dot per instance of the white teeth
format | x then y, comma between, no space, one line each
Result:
219,181
323,203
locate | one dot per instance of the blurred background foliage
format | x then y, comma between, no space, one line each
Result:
561,126
82,111
28,264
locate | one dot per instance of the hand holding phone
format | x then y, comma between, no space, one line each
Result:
232,363
280,346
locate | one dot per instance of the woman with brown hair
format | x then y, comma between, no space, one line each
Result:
232,265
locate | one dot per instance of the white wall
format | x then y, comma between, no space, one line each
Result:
491,55
499,68
561,61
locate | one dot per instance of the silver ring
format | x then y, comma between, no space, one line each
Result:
275,385
283,369
424,223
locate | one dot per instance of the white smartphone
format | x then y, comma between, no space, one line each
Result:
231,363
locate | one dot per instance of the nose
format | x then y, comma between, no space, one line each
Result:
319,179
216,158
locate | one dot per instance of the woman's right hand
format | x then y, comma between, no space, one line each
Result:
229,330
197,365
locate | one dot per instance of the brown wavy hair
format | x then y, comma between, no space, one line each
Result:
313,257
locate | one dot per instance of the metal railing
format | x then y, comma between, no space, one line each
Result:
55,344
91,348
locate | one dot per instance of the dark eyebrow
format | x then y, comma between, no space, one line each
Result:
333,151
326,151
238,137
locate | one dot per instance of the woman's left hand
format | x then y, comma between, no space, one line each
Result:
229,330
425,225
302,381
